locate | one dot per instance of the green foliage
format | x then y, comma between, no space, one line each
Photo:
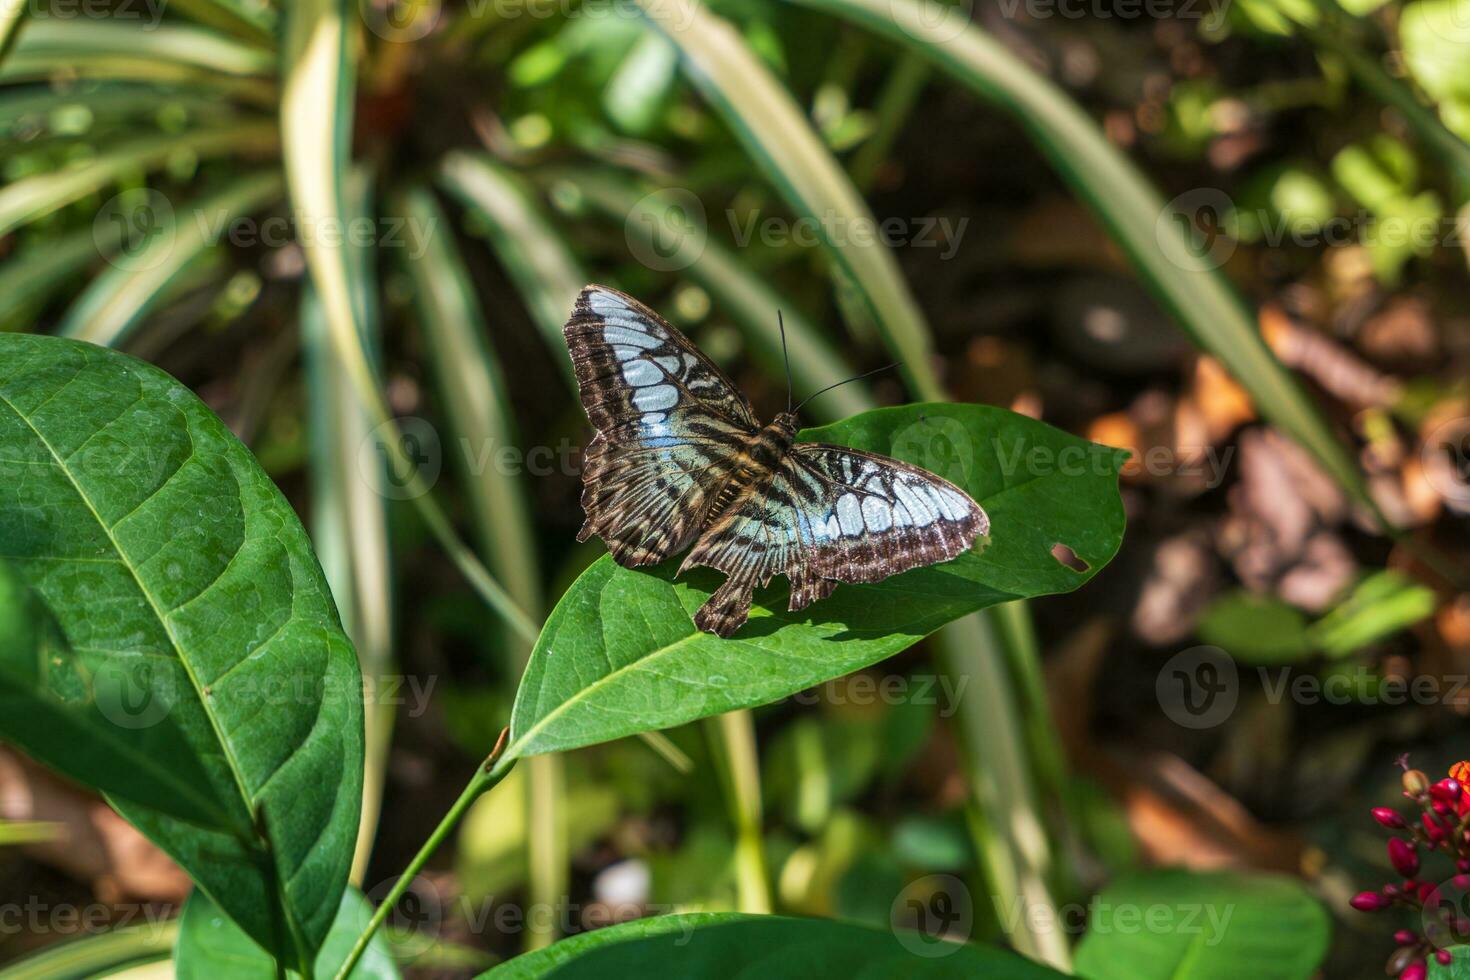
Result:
620,653
211,947
201,634
1184,925
1435,35
723,944
1264,629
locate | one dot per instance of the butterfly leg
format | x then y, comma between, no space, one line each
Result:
729,607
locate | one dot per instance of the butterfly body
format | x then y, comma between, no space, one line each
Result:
679,460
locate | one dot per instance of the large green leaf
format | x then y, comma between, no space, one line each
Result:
61,706
1180,925
211,947
620,653
726,944
173,565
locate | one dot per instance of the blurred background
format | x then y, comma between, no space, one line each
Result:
1224,234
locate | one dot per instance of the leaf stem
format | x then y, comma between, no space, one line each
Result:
490,772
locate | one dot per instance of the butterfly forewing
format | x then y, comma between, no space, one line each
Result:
667,422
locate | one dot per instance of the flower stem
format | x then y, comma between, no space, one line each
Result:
492,771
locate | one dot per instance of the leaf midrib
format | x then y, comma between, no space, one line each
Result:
227,748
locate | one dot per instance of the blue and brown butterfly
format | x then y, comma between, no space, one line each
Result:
679,459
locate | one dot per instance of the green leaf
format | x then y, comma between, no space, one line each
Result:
173,565
211,947
62,708
1380,605
771,946
1459,968
1181,925
620,654
102,954
1256,629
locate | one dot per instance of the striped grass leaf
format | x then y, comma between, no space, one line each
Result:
466,371
1169,261
774,131
539,262
349,516
319,81
35,197
115,301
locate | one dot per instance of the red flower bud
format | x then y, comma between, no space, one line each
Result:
1446,789
1403,857
1388,817
1461,882
1414,971
1444,956
1368,902
1432,827
1405,937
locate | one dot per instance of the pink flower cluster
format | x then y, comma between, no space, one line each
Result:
1443,825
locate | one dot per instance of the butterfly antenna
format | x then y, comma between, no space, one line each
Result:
785,357
867,374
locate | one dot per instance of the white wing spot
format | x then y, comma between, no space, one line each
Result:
655,398
640,372
849,515
622,335
606,304
669,364
917,506
876,514
957,505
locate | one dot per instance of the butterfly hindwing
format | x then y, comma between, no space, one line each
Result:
830,515
879,516
667,421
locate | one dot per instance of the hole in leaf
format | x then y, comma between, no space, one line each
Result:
1069,558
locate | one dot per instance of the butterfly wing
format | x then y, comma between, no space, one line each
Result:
667,421
828,515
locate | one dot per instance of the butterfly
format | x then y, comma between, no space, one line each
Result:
679,459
